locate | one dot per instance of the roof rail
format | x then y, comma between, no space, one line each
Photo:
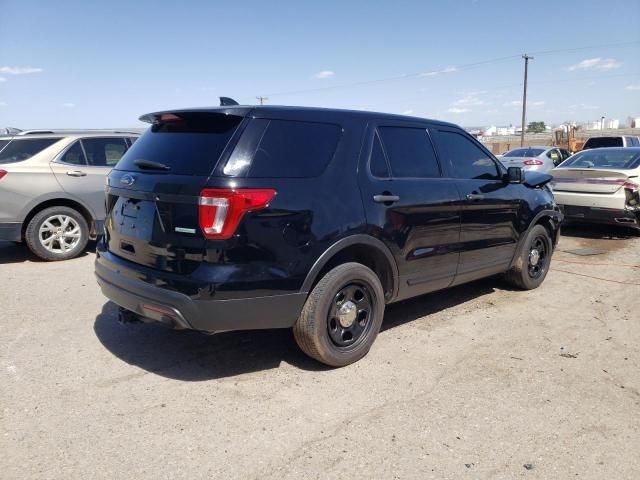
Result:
75,132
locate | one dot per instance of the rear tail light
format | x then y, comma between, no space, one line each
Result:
533,162
2,173
221,210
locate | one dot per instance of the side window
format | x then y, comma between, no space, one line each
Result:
378,163
74,155
288,149
132,140
410,152
554,156
104,152
467,159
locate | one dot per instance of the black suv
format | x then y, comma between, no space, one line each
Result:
246,217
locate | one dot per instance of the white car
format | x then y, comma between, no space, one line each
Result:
600,186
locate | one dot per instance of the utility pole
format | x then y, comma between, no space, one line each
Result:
524,97
262,100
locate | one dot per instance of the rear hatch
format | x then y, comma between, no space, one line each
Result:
153,192
588,180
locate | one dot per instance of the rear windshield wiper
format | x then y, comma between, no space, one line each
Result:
148,164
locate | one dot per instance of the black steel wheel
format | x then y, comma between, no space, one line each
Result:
532,263
538,259
349,317
342,315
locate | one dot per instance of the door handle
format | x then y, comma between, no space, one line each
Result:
76,173
474,196
385,198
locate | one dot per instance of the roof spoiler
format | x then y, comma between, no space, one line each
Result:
226,101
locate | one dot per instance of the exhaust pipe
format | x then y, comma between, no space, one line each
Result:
127,316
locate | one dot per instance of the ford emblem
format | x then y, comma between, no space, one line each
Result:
128,180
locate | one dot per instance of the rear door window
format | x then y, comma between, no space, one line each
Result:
74,155
283,148
104,152
23,149
378,163
410,152
189,143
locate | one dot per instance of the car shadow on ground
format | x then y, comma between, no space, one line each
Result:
11,252
193,356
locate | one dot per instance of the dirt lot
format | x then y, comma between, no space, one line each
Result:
478,382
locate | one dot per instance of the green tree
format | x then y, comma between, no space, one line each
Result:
536,127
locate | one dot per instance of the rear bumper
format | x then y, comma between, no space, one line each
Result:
11,232
606,216
178,310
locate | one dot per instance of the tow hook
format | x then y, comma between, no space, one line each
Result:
127,316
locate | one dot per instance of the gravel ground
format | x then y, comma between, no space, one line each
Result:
478,382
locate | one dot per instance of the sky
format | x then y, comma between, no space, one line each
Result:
80,64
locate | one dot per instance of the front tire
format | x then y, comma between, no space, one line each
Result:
532,265
342,316
57,233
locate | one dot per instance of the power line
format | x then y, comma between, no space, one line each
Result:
435,72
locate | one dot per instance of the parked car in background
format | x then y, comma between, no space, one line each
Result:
52,188
600,186
538,159
612,141
244,217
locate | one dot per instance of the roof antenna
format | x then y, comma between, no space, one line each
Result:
226,101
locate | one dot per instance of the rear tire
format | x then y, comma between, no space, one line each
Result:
533,262
57,233
342,316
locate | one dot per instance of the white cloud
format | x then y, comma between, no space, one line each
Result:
433,73
458,110
518,103
598,63
633,88
583,106
407,112
19,70
470,99
2,79
68,105
325,74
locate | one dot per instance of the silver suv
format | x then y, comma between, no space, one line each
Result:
52,188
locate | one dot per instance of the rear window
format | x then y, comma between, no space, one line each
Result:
524,152
603,142
189,143
603,159
283,148
23,149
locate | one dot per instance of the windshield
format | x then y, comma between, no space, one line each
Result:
23,149
524,152
3,143
604,159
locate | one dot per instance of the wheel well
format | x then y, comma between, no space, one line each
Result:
60,202
368,256
547,223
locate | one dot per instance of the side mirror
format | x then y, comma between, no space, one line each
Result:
515,175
